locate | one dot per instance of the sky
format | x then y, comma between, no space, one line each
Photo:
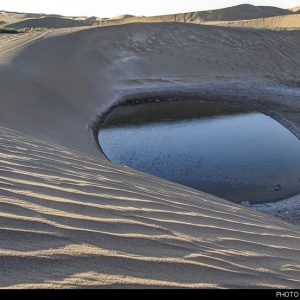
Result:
112,8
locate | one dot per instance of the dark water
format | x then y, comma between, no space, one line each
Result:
227,151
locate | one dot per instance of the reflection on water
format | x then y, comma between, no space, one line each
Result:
227,151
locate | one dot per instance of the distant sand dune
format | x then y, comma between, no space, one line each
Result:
13,17
295,9
69,218
235,13
239,12
48,22
289,21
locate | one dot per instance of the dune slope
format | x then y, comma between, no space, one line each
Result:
288,21
234,13
227,14
72,219
47,22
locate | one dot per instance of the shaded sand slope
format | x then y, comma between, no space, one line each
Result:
48,22
13,17
22,20
72,219
71,76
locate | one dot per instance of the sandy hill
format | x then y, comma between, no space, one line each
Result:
71,219
123,16
13,17
48,22
22,20
288,21
295,9
239,12
235,13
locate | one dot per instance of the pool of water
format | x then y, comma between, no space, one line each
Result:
227,151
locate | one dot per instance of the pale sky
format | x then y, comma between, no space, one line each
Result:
111,8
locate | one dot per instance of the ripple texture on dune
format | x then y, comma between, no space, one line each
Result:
68,219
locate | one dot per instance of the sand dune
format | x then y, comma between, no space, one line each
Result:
23,20
13,17
295,9
289,21
239,12
48,22
234,13
72,219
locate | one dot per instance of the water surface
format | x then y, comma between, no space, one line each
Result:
227,151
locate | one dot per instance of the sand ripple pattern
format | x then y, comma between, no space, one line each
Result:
71,220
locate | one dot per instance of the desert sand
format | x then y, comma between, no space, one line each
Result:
71,219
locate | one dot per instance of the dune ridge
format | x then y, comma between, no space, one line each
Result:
48,22
288,21
70,219
228,15
295,9
234,13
